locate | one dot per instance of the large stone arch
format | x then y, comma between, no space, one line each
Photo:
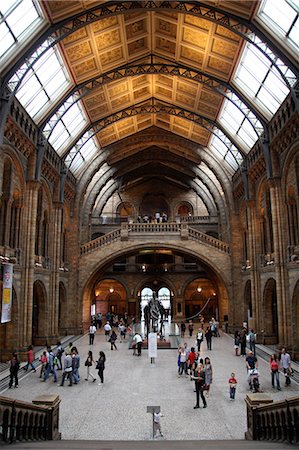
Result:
40,314
90,264
270,314
295,321
62,309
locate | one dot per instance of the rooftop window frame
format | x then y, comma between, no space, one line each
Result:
146,108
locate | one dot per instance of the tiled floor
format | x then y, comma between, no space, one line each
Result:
117,409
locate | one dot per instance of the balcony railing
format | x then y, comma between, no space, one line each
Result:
179,230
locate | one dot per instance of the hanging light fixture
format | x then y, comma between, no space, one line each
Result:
199,289
111,290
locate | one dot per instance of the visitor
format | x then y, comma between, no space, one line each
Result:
208,336
199,339
30,358
92,332
243,341
274,368
75,365
88,363
251,337
67,372
237,342
99,320
122,331
50,366
208,375
251,361
183,329
190,328
190,362
157,424
112,340
285,361
183,361
68,350
138,343
199,377
59,353
101,366
14,365
44,361
107,329
232,382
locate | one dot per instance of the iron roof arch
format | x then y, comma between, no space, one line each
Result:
146,108
172,69
240,26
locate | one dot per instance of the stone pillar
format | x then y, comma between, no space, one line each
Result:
29,226
279,227
236,302
253,233
56,263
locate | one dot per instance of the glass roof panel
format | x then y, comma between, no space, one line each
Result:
17,18
47,75
226,153
232,119
254,75
86,153
71,123
281,17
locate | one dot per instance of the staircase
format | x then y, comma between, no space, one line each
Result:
151,445
135,230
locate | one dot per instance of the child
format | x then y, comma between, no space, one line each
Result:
157,424
232,386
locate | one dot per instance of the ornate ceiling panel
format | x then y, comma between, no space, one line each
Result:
120,40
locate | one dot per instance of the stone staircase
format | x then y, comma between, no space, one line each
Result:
158,444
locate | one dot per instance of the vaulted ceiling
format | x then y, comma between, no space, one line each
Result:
156,69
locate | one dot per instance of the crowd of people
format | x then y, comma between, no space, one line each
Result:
193,366
191,363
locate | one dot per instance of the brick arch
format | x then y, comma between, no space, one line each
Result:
295,303
91,264
270,314
40,316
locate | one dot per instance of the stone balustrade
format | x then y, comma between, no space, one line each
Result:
272,421
180,230
22,421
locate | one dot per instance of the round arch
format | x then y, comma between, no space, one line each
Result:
91,275
295,308
39,314
270,315
63,310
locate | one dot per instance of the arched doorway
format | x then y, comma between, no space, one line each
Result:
62,312
295,303
39,314
163,295
248,304
110,296
270,313
185,209
201,297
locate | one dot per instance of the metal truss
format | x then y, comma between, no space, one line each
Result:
242,27
213,83
150,108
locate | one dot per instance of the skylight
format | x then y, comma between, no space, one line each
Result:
239,128
17,18
42,84
261,81
82,152
227,151
70,126
281,17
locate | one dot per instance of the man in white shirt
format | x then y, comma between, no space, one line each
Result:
157,424
92,332
138,342
107,329
285,361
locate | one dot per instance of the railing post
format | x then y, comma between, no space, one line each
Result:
52,402
124,232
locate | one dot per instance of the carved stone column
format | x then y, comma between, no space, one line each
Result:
29,227
56,263
279,227
253,248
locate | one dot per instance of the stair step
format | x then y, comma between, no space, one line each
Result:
152,445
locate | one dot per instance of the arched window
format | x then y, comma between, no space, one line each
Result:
4,209
292,217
